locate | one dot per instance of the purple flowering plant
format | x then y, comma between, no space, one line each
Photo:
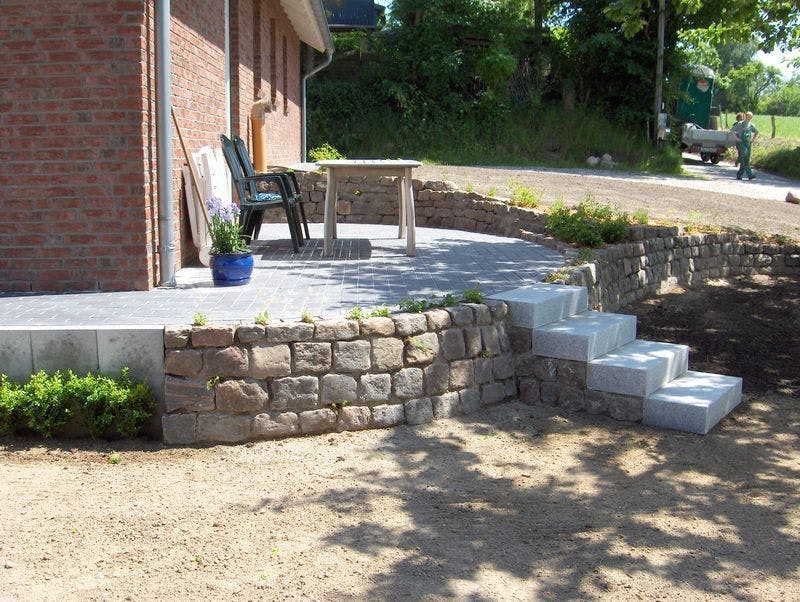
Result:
226,233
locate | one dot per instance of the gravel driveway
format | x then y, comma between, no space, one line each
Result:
710,194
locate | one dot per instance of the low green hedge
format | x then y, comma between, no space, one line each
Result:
592,224
105,406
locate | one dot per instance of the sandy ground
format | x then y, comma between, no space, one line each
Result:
512,503
709,194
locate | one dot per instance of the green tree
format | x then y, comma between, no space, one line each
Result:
783,101
744,86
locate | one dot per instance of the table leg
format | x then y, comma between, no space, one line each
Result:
410,213
330,214
401,229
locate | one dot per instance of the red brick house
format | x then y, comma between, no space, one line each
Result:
87,145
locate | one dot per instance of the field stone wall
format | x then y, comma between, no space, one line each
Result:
232,384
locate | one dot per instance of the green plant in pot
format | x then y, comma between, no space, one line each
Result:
231,260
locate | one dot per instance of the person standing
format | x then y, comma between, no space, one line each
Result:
746,133
739,119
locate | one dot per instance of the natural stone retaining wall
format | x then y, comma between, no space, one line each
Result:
234,384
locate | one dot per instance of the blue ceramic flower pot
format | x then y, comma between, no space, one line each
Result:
231,269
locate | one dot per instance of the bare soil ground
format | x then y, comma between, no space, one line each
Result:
512,503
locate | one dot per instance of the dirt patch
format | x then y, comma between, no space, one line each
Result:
512,503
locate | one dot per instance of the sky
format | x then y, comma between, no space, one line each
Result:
775,59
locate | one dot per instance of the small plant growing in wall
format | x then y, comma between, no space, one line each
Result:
212,382
337,406
306,316
472,295
522,196
379,312
415,343
199,319
357,313
262,318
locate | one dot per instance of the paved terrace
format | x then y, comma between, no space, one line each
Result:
369,268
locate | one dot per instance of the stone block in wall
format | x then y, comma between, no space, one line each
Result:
388,415
375,388
482,316
438,319
461,315
597,402
545,368
492,393
336,330
572,373
377,326
315,358
273,426
419,411
453,345
521,339
354,418
226,362
548,393
270,361
181,395
571,398
792,260
183,362
295,393
529,391
473,341
447,405
511,387
408,383
483,370
250,333
470,400
407,325
176,337
288,332
351,356
179,429
421,349
462,374
491,339
314,422
437,378
387,354
498,309
337,388
212,336
223,428
237,396
503,367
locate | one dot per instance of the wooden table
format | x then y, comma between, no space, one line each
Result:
399,168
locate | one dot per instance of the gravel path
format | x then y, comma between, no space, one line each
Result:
710,194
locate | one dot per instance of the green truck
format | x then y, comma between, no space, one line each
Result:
699,118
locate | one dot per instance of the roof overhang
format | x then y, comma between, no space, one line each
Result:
308,20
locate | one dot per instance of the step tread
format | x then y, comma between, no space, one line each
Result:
584,336
638,368
694,402
537,304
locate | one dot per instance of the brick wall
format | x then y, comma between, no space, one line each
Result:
75,208
78,197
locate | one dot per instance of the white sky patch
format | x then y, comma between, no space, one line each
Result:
778,59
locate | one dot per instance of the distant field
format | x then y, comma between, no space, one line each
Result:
785,127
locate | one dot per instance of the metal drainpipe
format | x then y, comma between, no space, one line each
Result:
166,233
325,62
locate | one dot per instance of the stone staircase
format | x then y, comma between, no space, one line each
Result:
672,396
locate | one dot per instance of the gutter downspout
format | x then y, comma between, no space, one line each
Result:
166,233
326,60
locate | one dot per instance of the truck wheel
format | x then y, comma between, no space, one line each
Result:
714,158
704,157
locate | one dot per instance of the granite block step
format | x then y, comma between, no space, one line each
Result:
694,402
637,368
584,336
537,304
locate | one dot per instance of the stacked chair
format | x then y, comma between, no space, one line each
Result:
254,202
